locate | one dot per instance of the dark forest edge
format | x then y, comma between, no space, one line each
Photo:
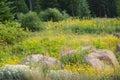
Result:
75,8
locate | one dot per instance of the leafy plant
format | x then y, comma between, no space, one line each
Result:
72,58
15,72
10,34
5,11
52,14
31,21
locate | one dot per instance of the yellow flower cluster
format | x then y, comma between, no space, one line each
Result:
96,22
88,70
10,60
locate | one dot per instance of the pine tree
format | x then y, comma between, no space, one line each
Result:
5,11
20,6
37,6
103,8
118,7
83,9
49,4
70,6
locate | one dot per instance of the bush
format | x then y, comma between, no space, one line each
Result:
52,14
10,34
31,46
30,21
117,54
117,29
36,46
83,9
72,58
15,72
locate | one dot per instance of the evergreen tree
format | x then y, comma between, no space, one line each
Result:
37,6
70,6
118,7
20,6
49,4
75,7
5,11
102,8
34,5
83,9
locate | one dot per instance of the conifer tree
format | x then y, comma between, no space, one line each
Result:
83,9
49,4
37,6
118,7
20,6
5,11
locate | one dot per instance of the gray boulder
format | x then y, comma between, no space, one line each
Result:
40,59
99,59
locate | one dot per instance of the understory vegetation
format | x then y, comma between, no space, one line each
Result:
55,40
59,39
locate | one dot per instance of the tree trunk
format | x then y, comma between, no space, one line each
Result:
30,5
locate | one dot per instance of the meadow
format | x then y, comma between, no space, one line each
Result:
59,36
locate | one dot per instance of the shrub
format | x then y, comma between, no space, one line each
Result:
10,34
5,11
37,46
15,72
29,47
9,58
117,29
72,58
52,14
83,9
63,75
31,21
117,54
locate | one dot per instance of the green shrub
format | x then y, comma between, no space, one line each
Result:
117,29
72,58
117,54
52,46
98,44
52,14
10,34
31,46
36,46
31,21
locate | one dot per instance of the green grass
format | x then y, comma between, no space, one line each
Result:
68,34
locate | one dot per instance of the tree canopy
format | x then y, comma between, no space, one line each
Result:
5,11
81,8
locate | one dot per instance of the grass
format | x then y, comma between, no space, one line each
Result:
61,36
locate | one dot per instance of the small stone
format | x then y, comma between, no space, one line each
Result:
118,48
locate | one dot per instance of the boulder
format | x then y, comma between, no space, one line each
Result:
118,48
116,35
40,59
99,59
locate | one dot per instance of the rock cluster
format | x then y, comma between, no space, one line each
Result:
99,59
31,59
